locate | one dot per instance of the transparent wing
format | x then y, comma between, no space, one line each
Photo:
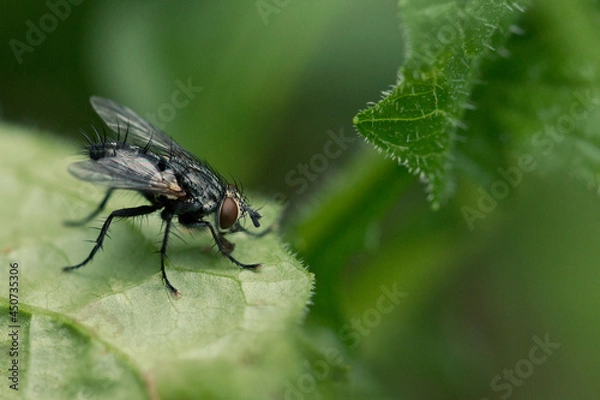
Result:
129,172
121,119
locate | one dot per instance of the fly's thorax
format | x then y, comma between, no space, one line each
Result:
203,187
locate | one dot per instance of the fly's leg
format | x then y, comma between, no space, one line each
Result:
253,234
94,213
167,217
223,247
227,245
122,213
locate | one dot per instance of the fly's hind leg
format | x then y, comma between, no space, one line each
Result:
122,213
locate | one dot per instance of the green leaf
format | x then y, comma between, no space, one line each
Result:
111,329
543,102
417,121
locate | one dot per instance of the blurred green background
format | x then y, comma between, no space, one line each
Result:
268,81
273,84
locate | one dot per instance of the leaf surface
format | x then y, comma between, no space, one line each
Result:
111,329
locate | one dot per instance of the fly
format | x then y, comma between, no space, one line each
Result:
171,179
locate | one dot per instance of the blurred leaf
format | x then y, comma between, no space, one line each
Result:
416,122
111,329
471,304
543,100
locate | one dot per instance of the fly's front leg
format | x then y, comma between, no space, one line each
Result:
227,245
222,244
253,234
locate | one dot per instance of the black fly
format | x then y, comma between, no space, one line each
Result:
173,180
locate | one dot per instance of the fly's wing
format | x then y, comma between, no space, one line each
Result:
129,172
122,119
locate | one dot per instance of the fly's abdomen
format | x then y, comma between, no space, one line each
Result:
101,150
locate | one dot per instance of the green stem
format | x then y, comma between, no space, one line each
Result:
336,229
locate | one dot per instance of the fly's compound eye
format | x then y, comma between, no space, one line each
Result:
229,213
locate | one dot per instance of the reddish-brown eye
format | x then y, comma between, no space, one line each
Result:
229,213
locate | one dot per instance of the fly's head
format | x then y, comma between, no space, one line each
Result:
232,208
